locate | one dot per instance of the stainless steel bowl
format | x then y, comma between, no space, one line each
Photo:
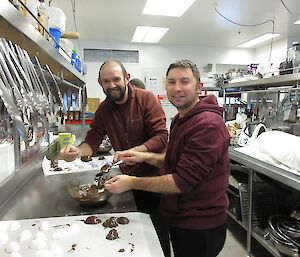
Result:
285,247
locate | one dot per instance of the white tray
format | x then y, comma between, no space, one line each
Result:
137,238
75,166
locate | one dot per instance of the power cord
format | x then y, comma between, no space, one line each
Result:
288,10
73,3
249,25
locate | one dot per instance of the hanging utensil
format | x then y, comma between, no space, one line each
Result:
12,110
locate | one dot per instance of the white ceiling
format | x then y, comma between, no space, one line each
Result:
115,20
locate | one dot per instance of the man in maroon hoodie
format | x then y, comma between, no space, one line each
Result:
197,166
133,119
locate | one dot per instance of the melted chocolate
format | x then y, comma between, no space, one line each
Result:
86,158
54,163
105,168
122,220
112,234
92,220
110,223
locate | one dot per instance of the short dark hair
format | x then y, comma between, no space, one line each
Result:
185,64
137,83
110,61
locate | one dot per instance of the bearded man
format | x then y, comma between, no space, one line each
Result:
133,119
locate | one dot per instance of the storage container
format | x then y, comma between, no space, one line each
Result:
57,19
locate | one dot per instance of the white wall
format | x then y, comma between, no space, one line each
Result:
155,59
279,51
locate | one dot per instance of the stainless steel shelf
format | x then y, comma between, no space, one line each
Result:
268,91
267,244
231,215
16,28
211,89
278,80
281,175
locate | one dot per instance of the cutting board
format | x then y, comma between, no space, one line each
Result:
72,237
75,166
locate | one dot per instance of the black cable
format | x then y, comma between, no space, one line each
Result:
286,7
250,25
239,24
73,3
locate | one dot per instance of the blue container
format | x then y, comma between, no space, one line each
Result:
54,32
73,58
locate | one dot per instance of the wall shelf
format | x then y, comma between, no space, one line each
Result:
278,80
16,28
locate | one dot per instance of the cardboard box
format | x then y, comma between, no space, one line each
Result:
92,104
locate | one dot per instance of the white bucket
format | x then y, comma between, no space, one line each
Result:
57,19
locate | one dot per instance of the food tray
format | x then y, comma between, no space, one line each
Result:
75,166
70,236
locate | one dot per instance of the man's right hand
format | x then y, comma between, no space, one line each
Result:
130,157
69,153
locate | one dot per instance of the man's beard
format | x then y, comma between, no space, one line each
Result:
116,94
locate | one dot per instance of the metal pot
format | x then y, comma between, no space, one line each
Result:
284,247
283,242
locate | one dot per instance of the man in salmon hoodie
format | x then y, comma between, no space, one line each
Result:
197,167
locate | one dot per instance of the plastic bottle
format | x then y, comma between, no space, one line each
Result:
43,17
73,57
78,64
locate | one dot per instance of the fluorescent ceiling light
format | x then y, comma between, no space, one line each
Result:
258,40
146,34
167,7
297,22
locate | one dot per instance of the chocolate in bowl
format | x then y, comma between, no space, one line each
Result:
105,168
90,194
86,158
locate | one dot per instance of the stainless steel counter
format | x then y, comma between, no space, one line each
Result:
43,196
274,172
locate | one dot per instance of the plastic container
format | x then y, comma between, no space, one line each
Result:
32,6
57,19
78,64
54,32
43,17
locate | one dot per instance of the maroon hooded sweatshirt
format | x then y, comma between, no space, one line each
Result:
197,157
141,120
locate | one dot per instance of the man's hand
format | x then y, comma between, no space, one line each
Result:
69,153
119,184
130,157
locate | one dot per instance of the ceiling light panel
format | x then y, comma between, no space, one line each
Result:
173,8
297,22
146,34
258,40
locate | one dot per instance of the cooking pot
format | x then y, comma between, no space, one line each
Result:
291,228
285,247
284,242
